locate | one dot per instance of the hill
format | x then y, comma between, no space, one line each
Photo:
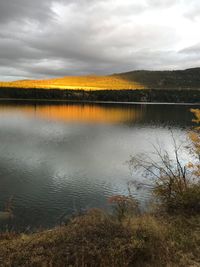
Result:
91,82
178,79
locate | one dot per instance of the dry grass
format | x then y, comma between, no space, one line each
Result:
99,239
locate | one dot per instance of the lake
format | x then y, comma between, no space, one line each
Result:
58,158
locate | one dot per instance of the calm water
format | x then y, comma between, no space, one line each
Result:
57,159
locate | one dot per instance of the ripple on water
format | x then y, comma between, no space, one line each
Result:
54,167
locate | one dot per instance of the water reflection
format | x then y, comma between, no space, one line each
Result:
102,113
77,112
57,158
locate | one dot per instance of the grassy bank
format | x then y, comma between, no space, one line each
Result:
99,239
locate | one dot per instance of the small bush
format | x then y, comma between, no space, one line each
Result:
176,185
175,197
124,206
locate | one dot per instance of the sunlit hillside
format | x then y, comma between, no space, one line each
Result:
178,79
81,82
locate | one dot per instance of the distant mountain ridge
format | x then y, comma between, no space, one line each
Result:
139,79
176,79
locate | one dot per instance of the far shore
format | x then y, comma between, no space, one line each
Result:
142,96
97,102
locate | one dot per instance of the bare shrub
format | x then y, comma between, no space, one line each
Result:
176,186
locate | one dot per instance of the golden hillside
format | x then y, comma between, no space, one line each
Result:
178,79
81,83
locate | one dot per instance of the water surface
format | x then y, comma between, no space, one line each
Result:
60,158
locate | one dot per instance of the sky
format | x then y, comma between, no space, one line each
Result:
53,38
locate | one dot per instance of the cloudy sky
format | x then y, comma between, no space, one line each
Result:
49,38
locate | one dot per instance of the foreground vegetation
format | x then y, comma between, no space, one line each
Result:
168,235
99,239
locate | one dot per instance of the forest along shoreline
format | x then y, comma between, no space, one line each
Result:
140,95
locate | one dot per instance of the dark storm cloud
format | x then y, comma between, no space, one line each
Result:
63,37
12,10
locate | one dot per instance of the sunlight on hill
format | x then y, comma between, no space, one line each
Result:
78,83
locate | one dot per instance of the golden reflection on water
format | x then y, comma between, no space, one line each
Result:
78,112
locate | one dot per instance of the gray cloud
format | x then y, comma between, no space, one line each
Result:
25,10
51,38
192,50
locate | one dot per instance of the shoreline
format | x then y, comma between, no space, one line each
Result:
99,102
